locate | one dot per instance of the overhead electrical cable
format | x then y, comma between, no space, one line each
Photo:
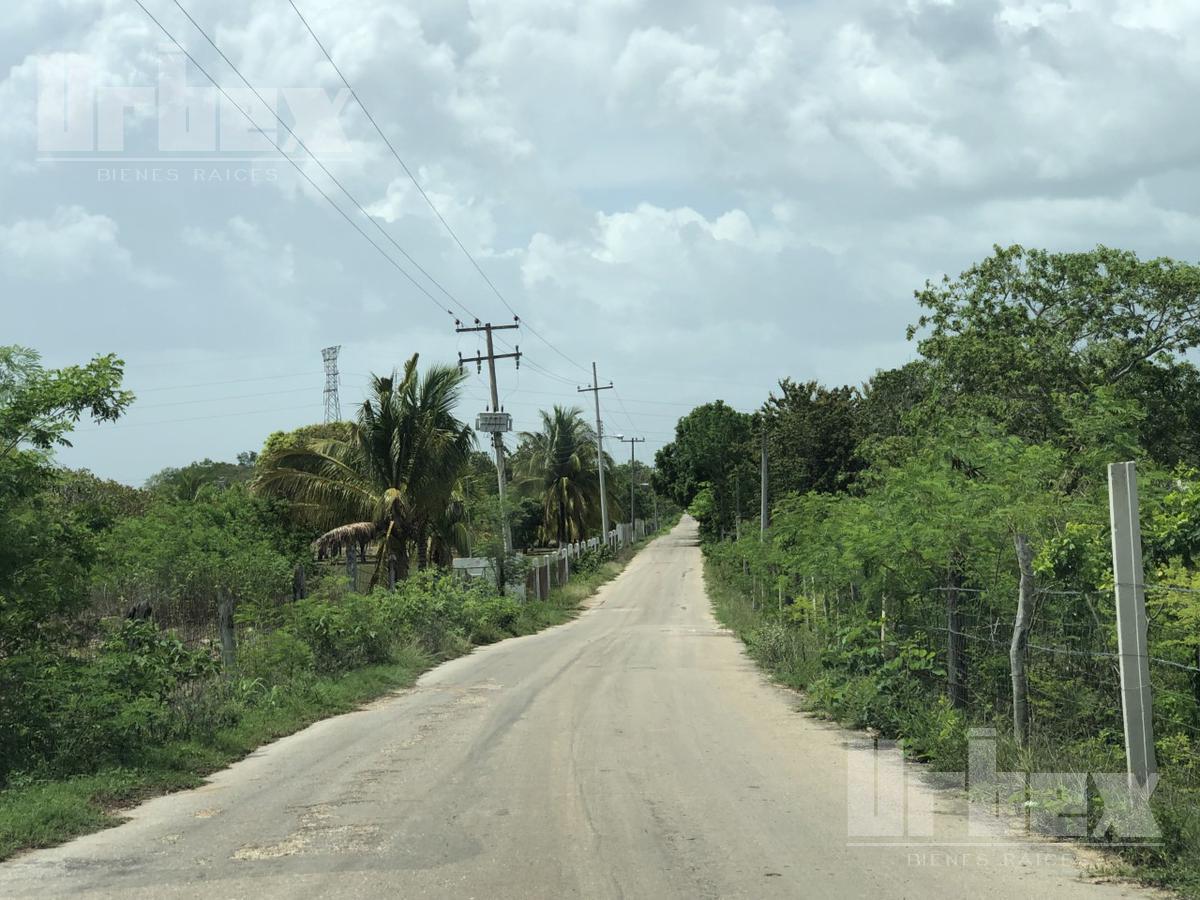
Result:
171,37
428,200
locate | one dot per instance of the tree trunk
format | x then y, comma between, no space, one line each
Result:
422,547
391,567
956,642
883,621
352,564
299,584
400,554
1020,640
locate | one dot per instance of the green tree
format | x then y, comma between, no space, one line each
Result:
39,407
889,399
100,503
46,544
557,466
299,438
184,483
191,550
394,476
640,475
812,433
1019,334
713,445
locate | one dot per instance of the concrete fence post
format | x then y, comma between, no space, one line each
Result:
1132,645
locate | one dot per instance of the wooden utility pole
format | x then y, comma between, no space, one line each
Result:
632,442
595,389
497,422
764,511
1132,648
737,509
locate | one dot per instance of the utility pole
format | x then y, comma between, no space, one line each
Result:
496,422
596,388
764,512
632,442
737,507
654,495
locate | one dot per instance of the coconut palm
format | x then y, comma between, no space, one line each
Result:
557,465
392,478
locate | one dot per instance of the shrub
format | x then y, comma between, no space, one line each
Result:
590,561
434,609
341,634
489,618
275,657
72,713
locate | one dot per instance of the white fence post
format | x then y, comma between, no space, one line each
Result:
1128,577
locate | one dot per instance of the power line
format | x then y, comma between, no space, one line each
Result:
322,166
248,412
324,195
421,190
303,390
630,400
628,417
180,387
293,162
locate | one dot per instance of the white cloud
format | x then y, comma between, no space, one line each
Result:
749,189
252,262
70,245
471,217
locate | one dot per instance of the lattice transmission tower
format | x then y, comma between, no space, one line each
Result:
333,406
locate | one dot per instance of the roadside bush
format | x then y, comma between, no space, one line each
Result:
489,618
429,607
198,708
275,657
341,634
934,732
72,713
590,561
789,652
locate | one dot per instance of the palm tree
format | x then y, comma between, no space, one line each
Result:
557,465
392,478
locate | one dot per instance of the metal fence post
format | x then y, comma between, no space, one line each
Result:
1128,577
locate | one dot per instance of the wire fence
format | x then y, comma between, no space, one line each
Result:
1070,654
196,616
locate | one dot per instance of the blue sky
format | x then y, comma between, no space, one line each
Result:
703,197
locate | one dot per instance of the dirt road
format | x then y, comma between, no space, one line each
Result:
632,753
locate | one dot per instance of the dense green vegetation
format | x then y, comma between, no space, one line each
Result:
907,513
148,636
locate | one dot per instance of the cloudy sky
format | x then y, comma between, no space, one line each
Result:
702,197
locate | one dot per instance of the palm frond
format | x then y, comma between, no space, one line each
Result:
352,535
